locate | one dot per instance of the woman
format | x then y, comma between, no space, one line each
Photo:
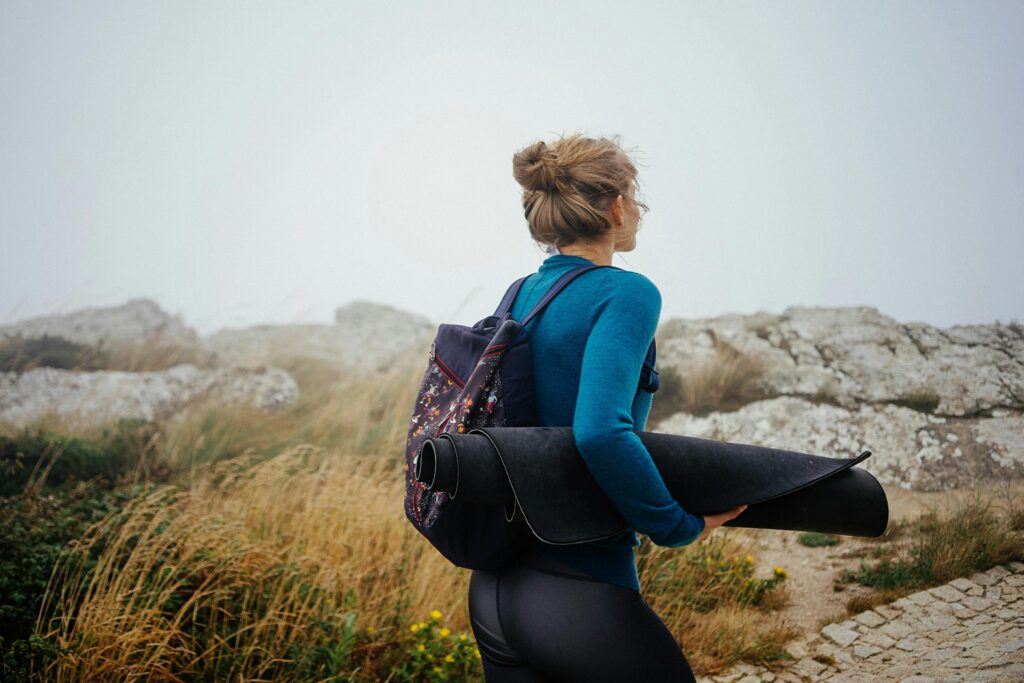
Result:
575,613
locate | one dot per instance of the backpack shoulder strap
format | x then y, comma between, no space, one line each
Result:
510,296
652,354
558,286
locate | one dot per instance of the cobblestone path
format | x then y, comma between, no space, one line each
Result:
967,630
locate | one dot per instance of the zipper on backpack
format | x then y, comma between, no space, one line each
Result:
449,372
444,422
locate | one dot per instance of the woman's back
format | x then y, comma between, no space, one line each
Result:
588,347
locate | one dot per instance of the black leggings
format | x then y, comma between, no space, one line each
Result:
534,623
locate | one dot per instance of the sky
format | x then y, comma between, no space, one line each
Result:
266,162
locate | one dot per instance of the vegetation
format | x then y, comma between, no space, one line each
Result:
19,354
709,593
728,381
232,544
923,400
32,459
973,537
937,547
813,539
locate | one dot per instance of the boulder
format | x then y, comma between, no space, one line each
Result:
133,321
910,449
857,355
365,336
94,397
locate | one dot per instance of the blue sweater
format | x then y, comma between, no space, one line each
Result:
588,348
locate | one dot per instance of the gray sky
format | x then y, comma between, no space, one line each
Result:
255,162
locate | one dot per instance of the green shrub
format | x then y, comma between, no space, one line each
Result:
944,547
18,354
924,401
705,576
52,460
435,654
812,539
35,532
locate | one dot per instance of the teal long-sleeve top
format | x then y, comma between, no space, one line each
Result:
588,348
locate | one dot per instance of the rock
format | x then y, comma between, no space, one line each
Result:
976,604
365,336
907,447
964,585
95,397
136,320
939,409
864,651
840,634
869,619
948,593
855,355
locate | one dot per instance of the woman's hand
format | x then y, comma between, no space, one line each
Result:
712,522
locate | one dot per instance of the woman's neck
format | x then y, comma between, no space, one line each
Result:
601,253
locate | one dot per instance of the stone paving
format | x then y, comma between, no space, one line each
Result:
964,631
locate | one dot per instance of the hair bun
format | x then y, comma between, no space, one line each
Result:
536,168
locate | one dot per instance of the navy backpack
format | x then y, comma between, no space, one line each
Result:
480,376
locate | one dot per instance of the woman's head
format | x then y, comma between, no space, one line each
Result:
571,187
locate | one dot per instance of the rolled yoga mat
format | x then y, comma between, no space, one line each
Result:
539,471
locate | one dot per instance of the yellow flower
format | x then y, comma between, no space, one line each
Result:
437,669
462,636
414,628
371,630
477,654
420,648
750,559
435,615
430,657
449,659
779,571
445,632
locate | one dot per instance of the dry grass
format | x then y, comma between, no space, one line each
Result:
283,553
708,596
726,382
938,547
247,570
151,356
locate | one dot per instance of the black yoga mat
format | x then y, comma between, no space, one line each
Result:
540,472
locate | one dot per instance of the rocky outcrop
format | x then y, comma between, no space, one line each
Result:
857,355
365,336
910,449
91,397
938,408
134,321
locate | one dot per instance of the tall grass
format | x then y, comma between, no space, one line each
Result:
709,596
18,354
727,381
943,546
250,574
282,553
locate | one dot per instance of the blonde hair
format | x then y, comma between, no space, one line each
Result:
569,186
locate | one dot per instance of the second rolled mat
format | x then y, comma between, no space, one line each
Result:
540,472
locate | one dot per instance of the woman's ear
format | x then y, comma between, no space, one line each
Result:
617,211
